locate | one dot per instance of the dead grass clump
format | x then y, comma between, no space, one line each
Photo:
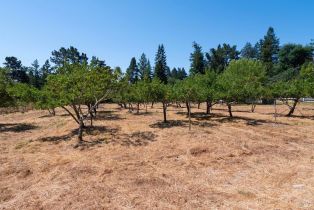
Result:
23,173
150,182
246,194
5,194
81,171
196,151
21,145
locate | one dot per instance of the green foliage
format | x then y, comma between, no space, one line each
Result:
145,69
218,59
290,89
249,51
16,71
159,91
80,84
67,56
22,94
140,92
160,70
5,98
243,79
307,75
176,74
132,72
188,89
34,75
97,62
197,60
269,49
294,55
46,99
285,75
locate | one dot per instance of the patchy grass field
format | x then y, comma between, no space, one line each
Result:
136,162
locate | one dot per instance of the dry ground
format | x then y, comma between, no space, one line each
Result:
136,162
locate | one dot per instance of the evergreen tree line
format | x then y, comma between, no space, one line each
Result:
263,71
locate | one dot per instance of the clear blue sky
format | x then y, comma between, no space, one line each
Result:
116,30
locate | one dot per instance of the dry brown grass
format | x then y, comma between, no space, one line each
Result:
136,162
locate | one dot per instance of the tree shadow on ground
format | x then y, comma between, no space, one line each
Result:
296,114
58,139
112,136
168,124
249,121
47,116
94,130
107,115
201,115
244,111
63,115
180,123
16,127
221,118
300,117
136,139
143,113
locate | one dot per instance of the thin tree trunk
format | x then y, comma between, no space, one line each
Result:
146,107
229,109
189,115
80,133
91,110
76,111
198,105
80,110
152,105
295,102
208,106
95,111
275,106
90,107
164,107
187,107
138,108
130,108
253,106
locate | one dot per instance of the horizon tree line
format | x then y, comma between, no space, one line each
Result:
265,71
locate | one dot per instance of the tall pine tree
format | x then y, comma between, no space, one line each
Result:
144,68
16,70
249,51
160,70
197,60
46,70
132,72
269,49
35,77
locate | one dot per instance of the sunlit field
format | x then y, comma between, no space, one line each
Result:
135,161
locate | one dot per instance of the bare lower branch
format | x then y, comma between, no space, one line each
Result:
68,111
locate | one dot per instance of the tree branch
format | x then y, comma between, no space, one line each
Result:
68,111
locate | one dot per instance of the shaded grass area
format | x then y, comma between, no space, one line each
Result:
108,135
16,127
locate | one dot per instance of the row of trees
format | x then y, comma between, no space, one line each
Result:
265,71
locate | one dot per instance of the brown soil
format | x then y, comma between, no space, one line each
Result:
134,161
